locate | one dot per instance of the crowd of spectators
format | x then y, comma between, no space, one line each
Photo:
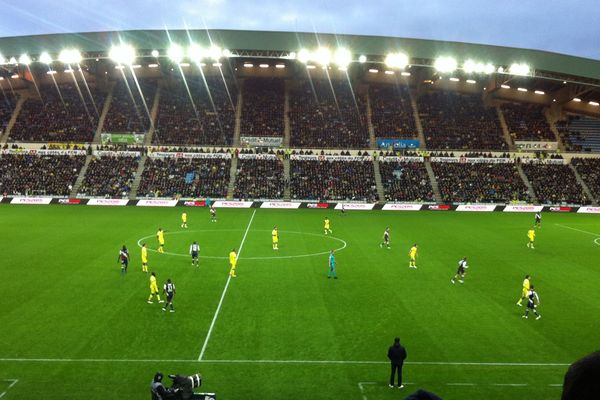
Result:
405,181
129,110
208,117
555,184
259,179
391,112
479,182
589,171
109,177
459,121
262,112
7,106
333,180
64,113
183,177
38,175
326,114
527,122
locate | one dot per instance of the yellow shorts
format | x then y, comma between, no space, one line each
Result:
161,243
413,258
275,241
144,261
233,264
153,289
524,293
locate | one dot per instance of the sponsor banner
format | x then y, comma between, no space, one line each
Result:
107,202
317,205
534,146
559,209
40,152
128,138
473,160
523,208
402,207
589,210
232,204
355,206
262,141
558,161
156,203
317,157
168,154
400,159
31,200
280,204
476,207
257,156
193,203
70,201
438,207
398,143
104,153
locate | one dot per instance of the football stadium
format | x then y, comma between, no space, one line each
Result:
270,210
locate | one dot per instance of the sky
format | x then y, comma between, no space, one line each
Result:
569,27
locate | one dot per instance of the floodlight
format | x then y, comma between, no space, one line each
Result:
396,60
292,55
196,53
152,65
12,60
488,68
45,58
69,56
303,56
389,72
594,103
577,100
404,73
248,65
15,76
51,72
279,66
519,69
453,79
471,81
122,54
343,57
362,59
24,59
539,92
2,60
322,56
521,89
175,53
215,52
311,67
505,86
227,53
445,64
155,53
470,66
264,65
373,70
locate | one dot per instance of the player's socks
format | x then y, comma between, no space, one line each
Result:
164,309
172,310
538,317
452,280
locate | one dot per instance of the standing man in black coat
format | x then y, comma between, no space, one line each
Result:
396,354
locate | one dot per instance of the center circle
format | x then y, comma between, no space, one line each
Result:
341,244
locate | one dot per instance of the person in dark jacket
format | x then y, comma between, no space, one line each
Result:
396,354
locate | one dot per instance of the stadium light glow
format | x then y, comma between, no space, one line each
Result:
396,60
453,79
152,65
304,56
122,54
51,72
45,58
24,59
373,70
2,60
155,53
184,65
69,56
215,53
594,103
12,60
175,53
1,78
264,65
248,65
362,59
342,69
577,100
196,53
445,64
279,66
292,55
322,56
217,64
15,76
471,81
227,53
500,69
404,73
311,67
521,89
505,86
136,66
389,72
471,66
519,69
539,92
343,57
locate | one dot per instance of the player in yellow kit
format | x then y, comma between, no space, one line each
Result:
154,289
327,226
160,235
275,237
531,236
412,254
526,287
232,262
144,258
184,220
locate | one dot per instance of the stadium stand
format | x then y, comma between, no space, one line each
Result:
39,175
262,113
527,122
210,119
589,171
190,178
405,181
63,114
259,179
325,114
555,184
580,133
109,177
459,121
333,180
127,111
391,112
479,182
7,106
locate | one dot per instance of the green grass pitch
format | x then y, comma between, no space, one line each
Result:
71,327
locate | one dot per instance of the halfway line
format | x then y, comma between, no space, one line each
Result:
212,324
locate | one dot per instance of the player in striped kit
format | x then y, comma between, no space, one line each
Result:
169,291
194,251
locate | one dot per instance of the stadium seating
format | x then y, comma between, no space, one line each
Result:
109,177
39,175
555,184
479,182
7,106
262,113
459,121
527,122
333,180
405,181
391,112
322,118
580,133
64,115
129,111
589,171
202,122
259,179
189,178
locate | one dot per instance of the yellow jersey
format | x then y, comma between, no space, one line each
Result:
161,236
275,235
531,234
413,252
152,281
526,285
184,217
144,254
232,257
326,222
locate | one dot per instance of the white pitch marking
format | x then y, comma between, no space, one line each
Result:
555,384
510,384
362,389
578,230
461,384
13,383
212,324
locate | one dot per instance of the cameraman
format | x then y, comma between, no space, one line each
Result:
158,390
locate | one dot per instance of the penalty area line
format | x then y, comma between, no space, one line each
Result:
212,324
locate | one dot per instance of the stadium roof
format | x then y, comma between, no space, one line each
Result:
101,42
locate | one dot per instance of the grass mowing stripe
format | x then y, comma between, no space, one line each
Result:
212,324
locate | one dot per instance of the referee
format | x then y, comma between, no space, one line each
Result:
396,354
